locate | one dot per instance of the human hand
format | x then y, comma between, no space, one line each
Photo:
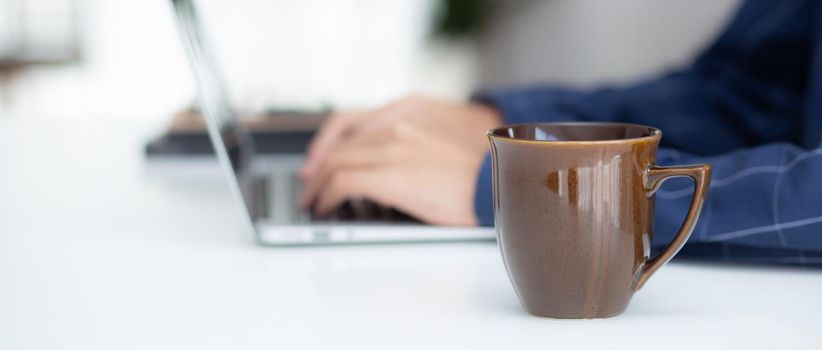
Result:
418,155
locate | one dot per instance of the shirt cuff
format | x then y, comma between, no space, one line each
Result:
483,196
527,105
505,102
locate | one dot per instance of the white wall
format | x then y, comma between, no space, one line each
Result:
132,66
354,53
295,52
588,42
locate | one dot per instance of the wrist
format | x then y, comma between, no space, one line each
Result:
486,115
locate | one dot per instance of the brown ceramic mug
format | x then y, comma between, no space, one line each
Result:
574,210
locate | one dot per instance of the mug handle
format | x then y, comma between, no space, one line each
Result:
653,177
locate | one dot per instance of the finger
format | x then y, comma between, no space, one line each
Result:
378,173
340,160
327,136
351,123
335,130
357,150
352,183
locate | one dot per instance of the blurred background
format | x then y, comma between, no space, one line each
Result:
80,59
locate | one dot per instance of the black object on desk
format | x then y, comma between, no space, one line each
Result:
274,132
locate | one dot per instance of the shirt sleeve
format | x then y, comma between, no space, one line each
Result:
764,206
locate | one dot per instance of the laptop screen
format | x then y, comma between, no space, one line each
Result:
232,144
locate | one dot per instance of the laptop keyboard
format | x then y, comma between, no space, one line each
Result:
285,208
359,209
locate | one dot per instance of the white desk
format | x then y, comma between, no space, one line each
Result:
98,252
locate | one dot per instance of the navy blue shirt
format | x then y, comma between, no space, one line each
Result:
750,105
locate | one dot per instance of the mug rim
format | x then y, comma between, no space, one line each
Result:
655,135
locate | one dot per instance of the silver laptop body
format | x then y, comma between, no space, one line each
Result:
265,188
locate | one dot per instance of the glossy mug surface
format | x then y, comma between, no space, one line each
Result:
574,208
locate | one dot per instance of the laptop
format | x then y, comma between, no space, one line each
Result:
265,187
